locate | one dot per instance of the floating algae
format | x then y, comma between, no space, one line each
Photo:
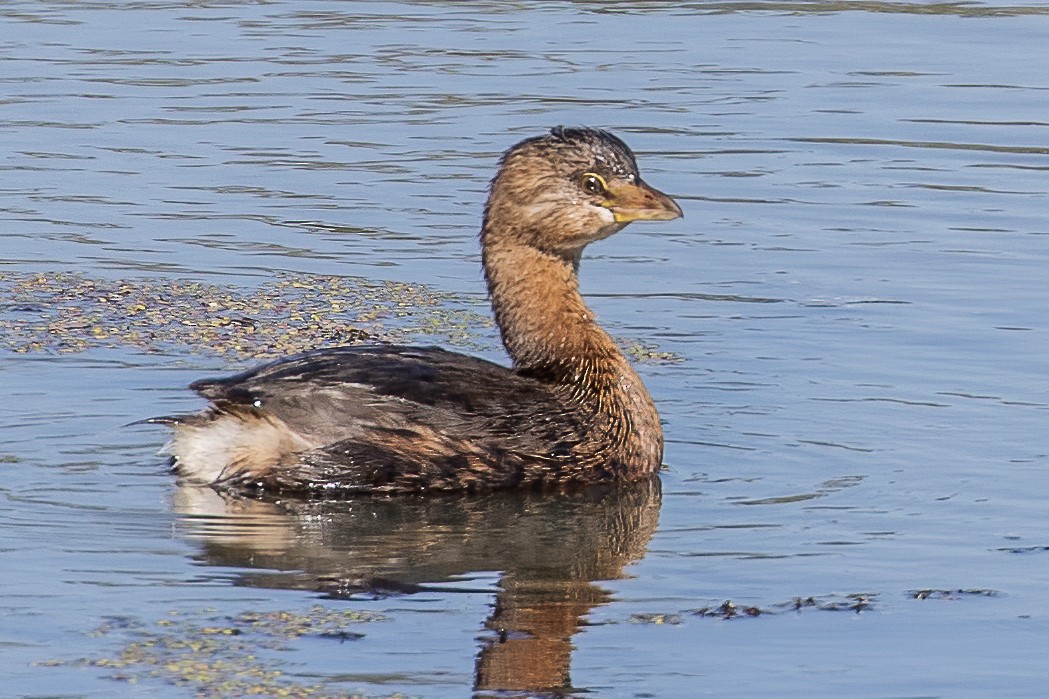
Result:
856,602
63,312
68,312
642,352
216,655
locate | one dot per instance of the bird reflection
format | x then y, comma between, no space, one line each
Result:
551,549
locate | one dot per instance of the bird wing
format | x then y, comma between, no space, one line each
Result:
397,418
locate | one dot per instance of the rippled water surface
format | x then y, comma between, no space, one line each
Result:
846,335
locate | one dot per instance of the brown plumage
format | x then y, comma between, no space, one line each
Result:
414,419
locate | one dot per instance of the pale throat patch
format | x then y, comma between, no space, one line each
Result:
606,215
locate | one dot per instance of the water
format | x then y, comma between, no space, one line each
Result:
856,295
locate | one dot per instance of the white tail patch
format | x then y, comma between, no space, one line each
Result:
243,442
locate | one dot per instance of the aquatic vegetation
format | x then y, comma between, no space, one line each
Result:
853,602
655,618
219,655
951,594
642,352
64,312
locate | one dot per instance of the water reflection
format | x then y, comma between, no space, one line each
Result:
551,549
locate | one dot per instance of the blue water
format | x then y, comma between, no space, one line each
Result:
856,294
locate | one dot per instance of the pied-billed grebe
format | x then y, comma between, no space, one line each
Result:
392,419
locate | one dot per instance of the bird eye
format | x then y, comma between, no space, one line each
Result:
594,184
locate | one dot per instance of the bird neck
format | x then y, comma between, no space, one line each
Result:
544,322
551,335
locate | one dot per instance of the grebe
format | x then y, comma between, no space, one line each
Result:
394,419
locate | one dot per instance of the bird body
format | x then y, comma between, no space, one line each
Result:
392,419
